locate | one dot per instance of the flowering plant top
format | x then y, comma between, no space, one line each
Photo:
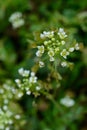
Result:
55,46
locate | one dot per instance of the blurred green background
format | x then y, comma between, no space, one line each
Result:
16,51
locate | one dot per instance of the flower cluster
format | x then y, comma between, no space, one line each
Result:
55,45
40,51
16,20
29,82
7,93
7,118
61,33
45,34
8,96
67,101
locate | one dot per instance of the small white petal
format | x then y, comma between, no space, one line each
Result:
61,33
52,59
32,73
17,81
38,88
10,121
38,54
5,107
6,101
67,101
41,64
21,71
1,91
77,46
63,64
26,73
20,94
17,116
28,92
71,49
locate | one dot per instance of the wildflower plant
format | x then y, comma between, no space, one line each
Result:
54,47
43,73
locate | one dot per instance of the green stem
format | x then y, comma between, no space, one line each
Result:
50,97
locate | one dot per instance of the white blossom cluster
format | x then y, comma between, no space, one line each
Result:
29,82
16,19
61,33
54,45
7,118
67,101
48,34
8,95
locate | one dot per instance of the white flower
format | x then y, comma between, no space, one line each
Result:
38,54
77,46
48,34
61,33
16,19
67,101
6,101
17,116
33,78
14,16
24,73
32,74
28,92
52,59
64,53
51,53
5,107
1,91
10,121
13,90
41,63
38,88
71,49
42,36
18,23
64,64
20,94
41,49
18,81
63,42
21,71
